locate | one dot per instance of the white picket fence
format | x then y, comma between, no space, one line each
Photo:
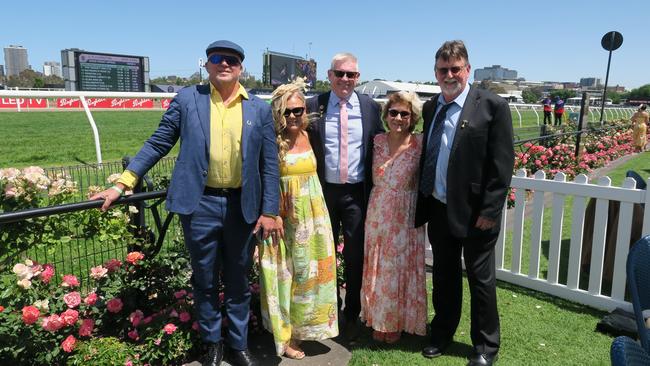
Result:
554,194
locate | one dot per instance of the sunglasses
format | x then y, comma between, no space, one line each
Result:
297,112
394,112
454,69
230,60
349,74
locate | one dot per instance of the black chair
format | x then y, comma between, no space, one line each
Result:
626,352
638,280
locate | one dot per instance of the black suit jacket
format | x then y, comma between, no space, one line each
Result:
480,163
372,125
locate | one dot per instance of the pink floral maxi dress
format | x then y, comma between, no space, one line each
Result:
393,292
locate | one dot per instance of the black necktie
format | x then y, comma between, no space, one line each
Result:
428,180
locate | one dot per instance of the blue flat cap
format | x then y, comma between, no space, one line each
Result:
227,46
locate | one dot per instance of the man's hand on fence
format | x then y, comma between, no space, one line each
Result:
109,196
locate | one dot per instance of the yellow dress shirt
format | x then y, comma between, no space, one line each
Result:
225,164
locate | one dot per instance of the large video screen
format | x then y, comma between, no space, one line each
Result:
284,69
107,72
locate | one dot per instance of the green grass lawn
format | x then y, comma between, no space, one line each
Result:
65,138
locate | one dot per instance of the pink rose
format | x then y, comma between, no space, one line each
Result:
52,323
134,257
173,314
91,299
136,317
69,343
184,317
128,363
98,272
86,328
112,265
157,342
48,273
169,328
72,299
114,305
147,320
180,294
133,334
70,281
69,317
30,314
195,326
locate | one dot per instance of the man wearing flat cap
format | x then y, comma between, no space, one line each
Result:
225,189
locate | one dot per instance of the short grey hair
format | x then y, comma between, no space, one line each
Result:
343,56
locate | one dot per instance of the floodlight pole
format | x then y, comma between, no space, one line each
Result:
602,102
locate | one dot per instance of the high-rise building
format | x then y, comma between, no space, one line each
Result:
15,60
52,68
2,72
589,82
494,72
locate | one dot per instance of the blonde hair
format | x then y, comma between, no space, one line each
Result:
409,98
279,100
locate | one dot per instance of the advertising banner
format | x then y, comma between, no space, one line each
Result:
23,103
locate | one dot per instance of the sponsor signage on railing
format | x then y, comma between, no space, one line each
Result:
23,103
164,103
109,103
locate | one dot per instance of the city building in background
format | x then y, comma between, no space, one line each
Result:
52,68
2,72
494,72
589,82
281,68
15,60
94,71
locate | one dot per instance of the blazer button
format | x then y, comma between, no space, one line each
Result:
204,173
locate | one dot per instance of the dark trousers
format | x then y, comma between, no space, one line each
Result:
220,242
448,284
558,119
547,116
347,210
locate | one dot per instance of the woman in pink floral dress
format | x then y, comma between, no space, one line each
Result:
393,293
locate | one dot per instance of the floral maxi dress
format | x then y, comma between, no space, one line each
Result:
298,276
393,292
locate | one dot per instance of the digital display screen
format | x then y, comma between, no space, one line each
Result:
106,72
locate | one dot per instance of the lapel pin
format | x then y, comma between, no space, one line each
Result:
248,122
321,108
464,123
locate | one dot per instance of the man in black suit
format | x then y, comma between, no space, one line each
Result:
465,172
342,140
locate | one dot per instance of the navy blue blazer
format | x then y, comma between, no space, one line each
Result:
372,125
188,118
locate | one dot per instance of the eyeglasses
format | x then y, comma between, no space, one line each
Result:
297,112
230,60
454,69
394,112
349,74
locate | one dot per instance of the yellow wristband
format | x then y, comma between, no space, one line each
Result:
118,190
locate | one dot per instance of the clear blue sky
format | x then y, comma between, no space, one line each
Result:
542,40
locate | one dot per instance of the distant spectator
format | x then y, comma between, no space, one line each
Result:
558,111
640,128
547,109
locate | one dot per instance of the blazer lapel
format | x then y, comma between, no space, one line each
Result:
202,98
469,108
248,115
366,123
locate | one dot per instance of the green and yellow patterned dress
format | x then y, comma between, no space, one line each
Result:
298,277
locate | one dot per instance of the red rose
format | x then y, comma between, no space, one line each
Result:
114,305
112,265
30,314
69,343
69,317
2,308
91,299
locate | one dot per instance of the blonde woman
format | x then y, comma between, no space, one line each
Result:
298,275
393,291
640,128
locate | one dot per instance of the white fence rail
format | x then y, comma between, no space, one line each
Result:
553,194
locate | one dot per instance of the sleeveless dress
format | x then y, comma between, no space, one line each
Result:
298,277
393,292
